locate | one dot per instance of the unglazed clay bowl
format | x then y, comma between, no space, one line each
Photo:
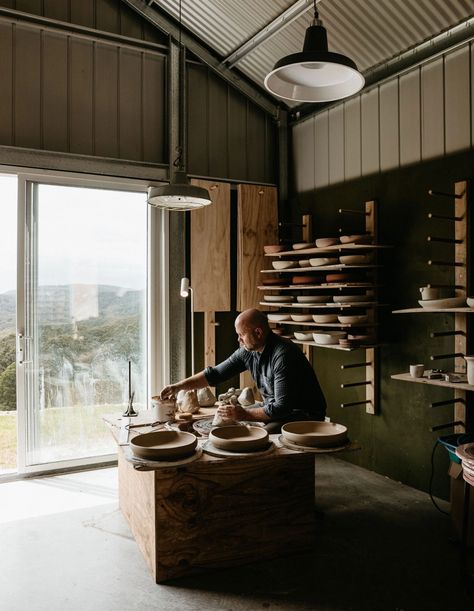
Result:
328,338
302,245
323,319
301,317
303,337
164,445
325,242
314,433
271,249
279,298
239,438
356,239
355,259
353,320
278,265
278,317
313,298
320,261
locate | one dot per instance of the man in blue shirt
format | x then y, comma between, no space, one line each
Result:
282,374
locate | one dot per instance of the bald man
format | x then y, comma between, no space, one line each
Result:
284,377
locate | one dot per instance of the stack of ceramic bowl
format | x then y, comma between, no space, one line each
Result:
466,453
345,342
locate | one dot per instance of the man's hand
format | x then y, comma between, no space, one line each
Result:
233,412
169,392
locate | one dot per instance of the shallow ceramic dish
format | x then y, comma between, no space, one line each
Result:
278,317
355,259
338,277
313,298
301,245
315,434
470,302
239,438
303,262
324,318
451,302
325,242
356,239
273,248
303,337
164,445
320,261
301,317
284,264
328,338
279,298
351,298
273,282
351,320
304,279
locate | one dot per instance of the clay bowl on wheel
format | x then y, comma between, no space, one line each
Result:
314,433
164,445
239,438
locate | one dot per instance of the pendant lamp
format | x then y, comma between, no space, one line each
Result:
315,74
179,194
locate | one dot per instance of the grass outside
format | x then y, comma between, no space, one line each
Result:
63,433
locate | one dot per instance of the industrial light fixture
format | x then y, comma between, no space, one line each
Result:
315,74
185,291
179,194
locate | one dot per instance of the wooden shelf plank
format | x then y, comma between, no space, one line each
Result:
464,310
406,377
338,325
336,248
326,287
334,346
322,268
315,306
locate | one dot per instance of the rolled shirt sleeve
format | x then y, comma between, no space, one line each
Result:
229,368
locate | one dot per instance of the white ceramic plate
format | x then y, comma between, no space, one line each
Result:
314,433
301,245
325,242
279,298
301,317
328,337
278,317
324,318
451,302
313,298
351,298
353,319
284,264
321,261
303,337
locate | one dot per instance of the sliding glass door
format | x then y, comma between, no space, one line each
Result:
84,317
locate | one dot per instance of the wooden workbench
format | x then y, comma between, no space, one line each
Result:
218,512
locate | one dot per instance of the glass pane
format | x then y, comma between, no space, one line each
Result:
87,317
8,245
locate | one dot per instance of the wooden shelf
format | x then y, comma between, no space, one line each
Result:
322,268
406,377
323,306
334,346
338,325
465,310
322,287
335,249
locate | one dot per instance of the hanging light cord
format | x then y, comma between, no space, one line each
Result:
316,13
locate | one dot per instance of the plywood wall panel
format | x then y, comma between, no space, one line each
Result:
321,150
129,24
336,144
83,13
389,126
6,89
237,136
257,225
432,107
81,116
218,137
29,6
198,121
210,250
410,117
255,143
57,9
352,139
457,100
370,134
107,15
106,122
303,144
130,104
154,109
54,92
27,87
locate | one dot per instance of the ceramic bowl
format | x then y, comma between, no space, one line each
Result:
324,318
278,317
356,239
239,438
315,434
320,261
303,279
338,277
278,298
301,245
325,242
304,263
355,259
273,248
326,338
313,298
164,445
353,320
303,337
284,264
301,317
351,298
273,282
470,302
451,302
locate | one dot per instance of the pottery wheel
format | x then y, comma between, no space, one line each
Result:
204,426
139,464
211,449
294,446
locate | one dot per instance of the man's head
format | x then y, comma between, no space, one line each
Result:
252,329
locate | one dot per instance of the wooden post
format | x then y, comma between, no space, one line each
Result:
371,370
210,325
307,236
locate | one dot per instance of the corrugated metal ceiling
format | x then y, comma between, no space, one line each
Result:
371,32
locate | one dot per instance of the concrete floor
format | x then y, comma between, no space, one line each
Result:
380,545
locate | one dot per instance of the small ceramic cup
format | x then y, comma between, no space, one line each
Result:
163,409
428,292
417,371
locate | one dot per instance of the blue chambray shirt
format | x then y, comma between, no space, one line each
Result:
283,375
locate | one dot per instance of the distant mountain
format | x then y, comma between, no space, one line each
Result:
7,312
